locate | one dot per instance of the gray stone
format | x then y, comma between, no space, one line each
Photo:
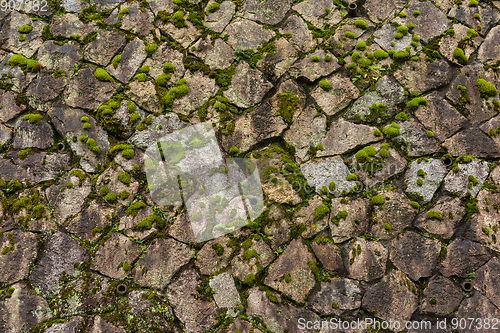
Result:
279,232
69,24
128,222
391,298
489,52
136,20
442,229
385,37
69,326
306,216
415,135
344,137
5,134
245,34
239,324
294,263
105,46
336,297
448,297
365,260
489,127
387,93
185,35
355,224
95,216
414,254
111,255
163,259
474,142
159,5
350,26
126,128
321,173
277,64
169,123
445,5
60,254
434,174
9,109
281,192
340,95
63,58
208,262
267,12
162,55
218,20
483,226
14,75
330,255
216,54
246,270
306,68
10,35
314,11
44,89
109,178
197,315
23,310
74,5
144,95
133,56
487,280
378,10
248,86
99,325
463,257
15,264
477,306
67,122
448,43
69,201
181,229
302,38
201,89
226,295
458,183
465,14
102,5
28,135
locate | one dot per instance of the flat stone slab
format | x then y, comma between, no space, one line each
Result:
33,39
208,261
248,86
27,135
336,297
483,226
245,34
385,38
302,38
226,295
69,24
447,296
477,306
378,10
465,14
434,173
247,269
162,55
63,58
132,57
306,216
452,212
44,89
185,35
268,12
458,183
280,61
463,257
218,20
136,20
92,217
330,255
340,95
310,70
487,280
473,142
355,224
169,123
489,52
216,54
15,264
314,11
201,89
365,260
448,43
415,135
10,108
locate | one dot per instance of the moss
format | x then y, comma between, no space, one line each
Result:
22,38
233,150
325,85
433,215
141,77
361,46
147,223
377,200
361,24
485,88
401,55
459,55
128,154
134,208
219,249
33,118
350,35
332,186
415,204
430,134
121,13
249,254
116,60
432,301
398,35
416,13
352,176
402,116
270,296
387,226
420,182
315,59
25,29
124,178
403,30
124,195
391,131
473,3
247,243
102,75
381,54
110,197
328,58
384,153
22,154
168,68
69,184
415,103
421,173
355,56
150,49
213,7
321,211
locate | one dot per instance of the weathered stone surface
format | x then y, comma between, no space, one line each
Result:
208,262
248,86
67,122
226,295
100,325
440,117
105,46
216,54
10,35
487,280
279,62
415,135
489,52
359,33
458,183
110,179
279,232
321,173
355,224
463,257
69,24
414,254
306,68
336,297
128,223
23,310
245,34
159,5
44,89
472,142
181,229
74,5
365,260
387,93
5,134
465,14
344,137
169,123
448,43
302,38
338,97
69,326
136,20
239,324
306,216
294,263
434,173
86,91
330,255
143,94
282,192
443,229
111,255
15,264
162,55
218,20
314,11
102,5
197,315
268,12
447,294
95,216
421,76
10,109
477,306
201,89
163,259
259,125
378,11
185,36
391,298
385,38
63,58
60,254
28,135
14,75
132,57
69,201
483,226
246,269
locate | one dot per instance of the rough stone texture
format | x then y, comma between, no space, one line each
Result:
487,281
314,11
330,255
302,38
136,20
279,62
465,14
208,262
248,86
344,137
279,232
414,254
10,35
32,135
378,11
321,173
102,326
415,135
15,264
293,262
143,94
197,315
306,216
483,226
93,216
105,46
226,295
44,89
218,20
245,34
447,294
215,54
365,260
162,55
391,298
463,257
60,254
338,97
10,108
443,229
477,306
163,259
201,89
17,78
268,12
489,52
69,24
69,326
5,134
434,173
355,224
311,71
458,183
170,123
244,269
132,57
385,37
64,58
448,44
345,293
472,142
185,36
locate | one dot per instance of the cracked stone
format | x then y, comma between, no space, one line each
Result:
447,294
10,35
487,280
378,10
489,52
314,11
365,260
245,34
135,20
95,216
44,89
306,216
63,58
215,54
310,70
474,142
330,255
109,178
248,86
385,38
463,257
483,226
69,24
443,229
344,293
10,109
458,183
169,123
15,264
105,46
448,43
279,62
226,295
340,95
434,173
201,89
218,20
267,12
208,262
477,306
246,270
465,14
415,135
185,36
355,224
302,38
28,135
133,56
